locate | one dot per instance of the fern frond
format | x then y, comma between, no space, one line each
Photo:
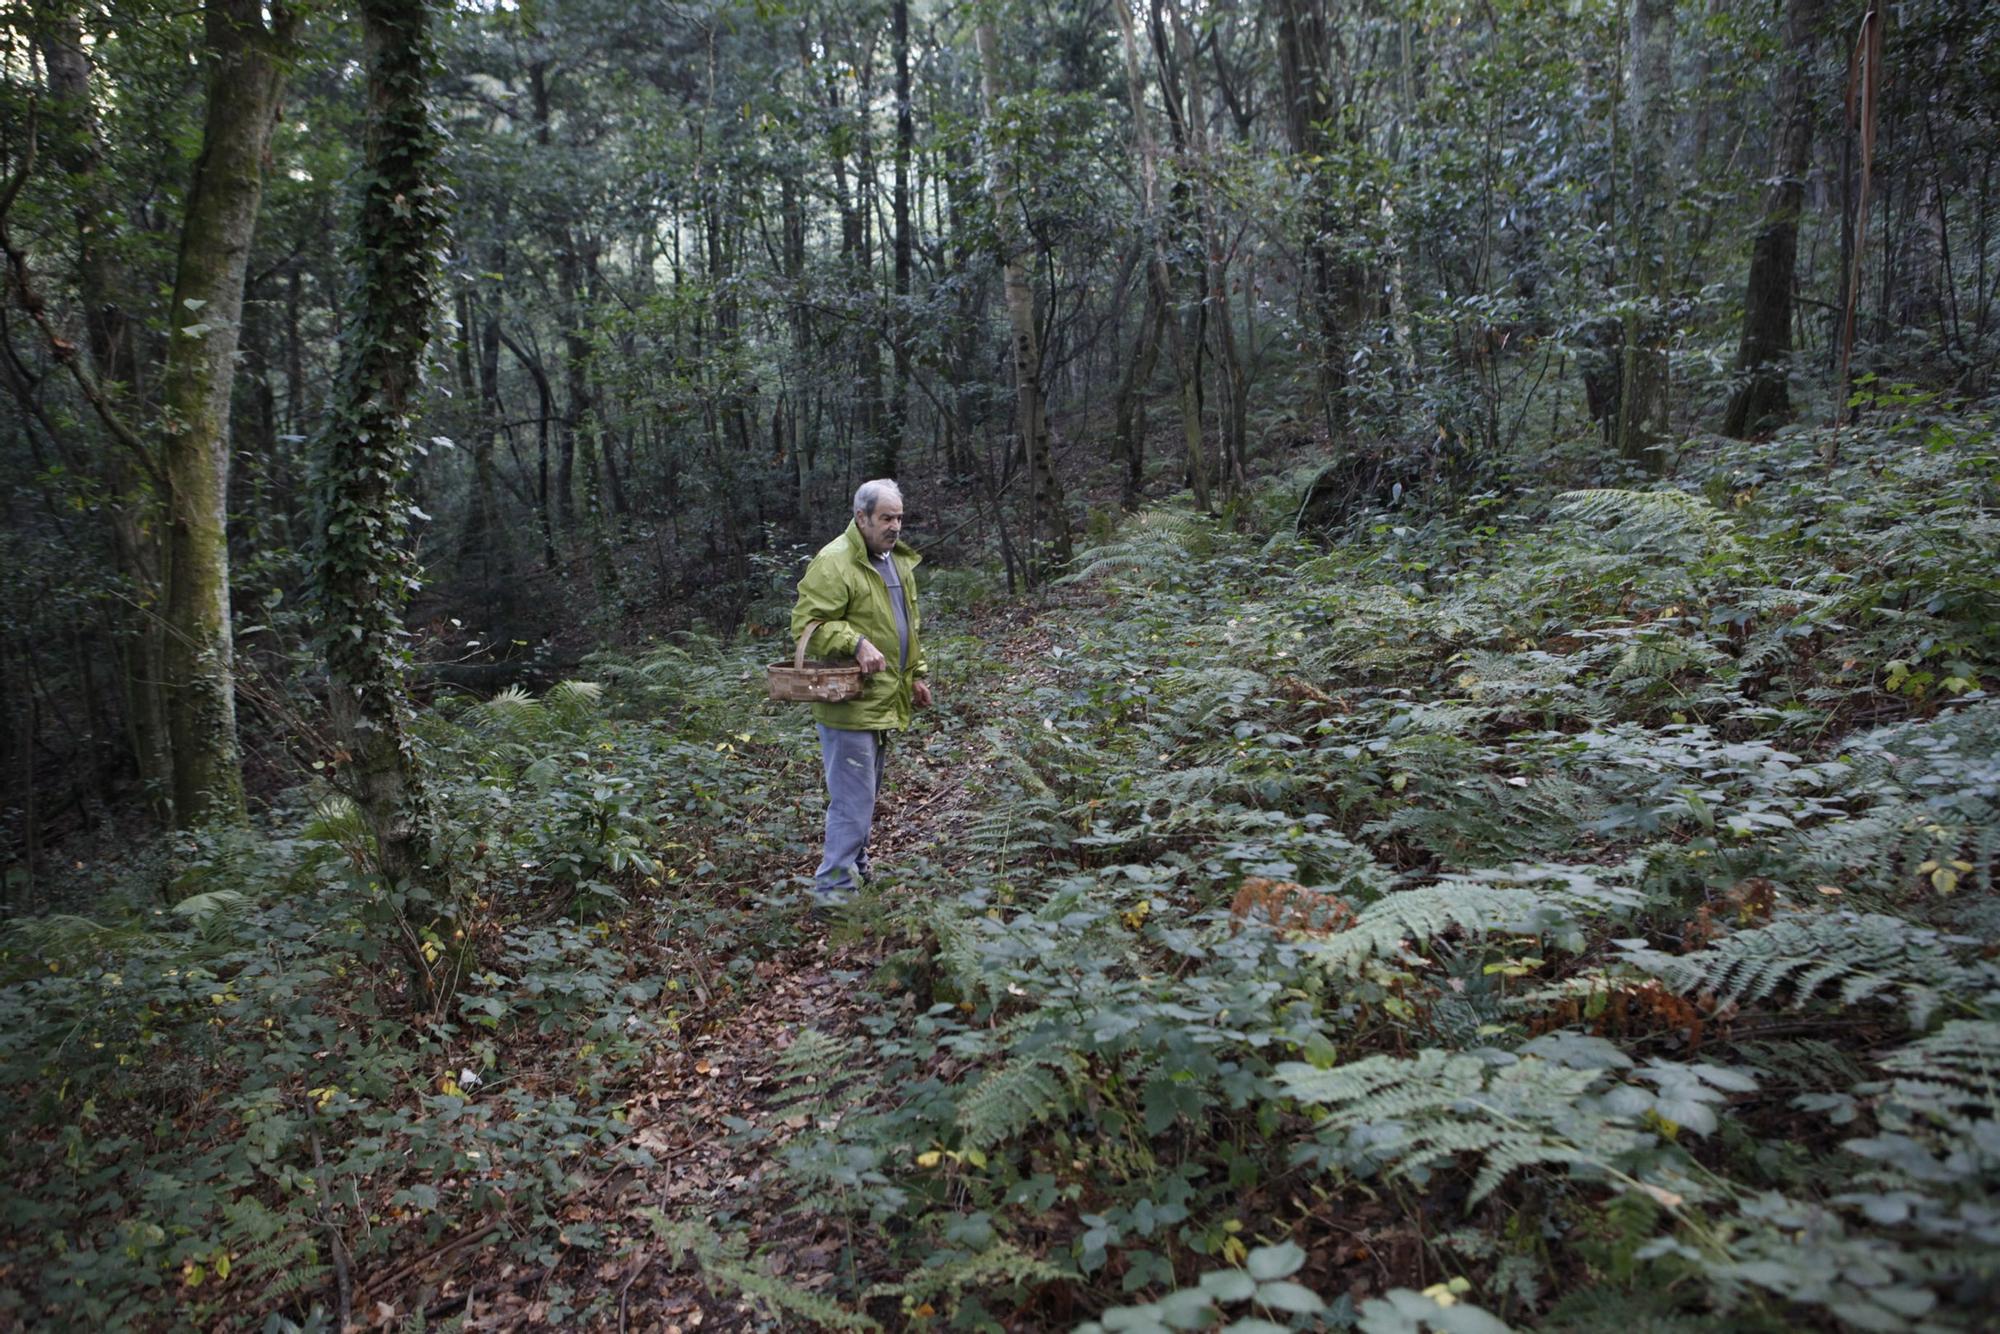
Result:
1414,916
272,1254
721,1258
1154,545
1510,1112
1001,1265
1857,956
817,1070
1661,520
1954,1071
1011,1099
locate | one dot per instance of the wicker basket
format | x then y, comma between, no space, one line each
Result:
812,682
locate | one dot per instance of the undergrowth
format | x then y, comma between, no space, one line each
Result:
1573,909
1593,891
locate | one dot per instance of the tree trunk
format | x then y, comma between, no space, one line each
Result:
895,429
1128,445
1763,355
1642,399
245,76
1046,508
364,567
1216,314
1304,81
577,411
78,148
1182,344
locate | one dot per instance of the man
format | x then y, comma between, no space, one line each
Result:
862,587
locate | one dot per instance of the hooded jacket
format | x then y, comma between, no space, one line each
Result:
842,589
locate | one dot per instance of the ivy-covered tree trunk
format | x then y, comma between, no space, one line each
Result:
364,566
245,76
1764,398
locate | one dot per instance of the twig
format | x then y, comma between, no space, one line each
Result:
343,1278
64,350
625,1288
414,1263
930,801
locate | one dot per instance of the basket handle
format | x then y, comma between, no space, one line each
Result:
799,658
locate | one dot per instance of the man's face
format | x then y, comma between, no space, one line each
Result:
881,529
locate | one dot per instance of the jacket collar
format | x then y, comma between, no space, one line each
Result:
858,548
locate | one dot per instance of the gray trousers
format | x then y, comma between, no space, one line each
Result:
853,762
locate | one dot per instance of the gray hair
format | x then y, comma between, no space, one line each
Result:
874,493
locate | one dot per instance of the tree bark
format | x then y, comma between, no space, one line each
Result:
1763,355
245,78
1233,382
896,427
364,569
78,144
1182,343
1304,53
1046,507
1642,400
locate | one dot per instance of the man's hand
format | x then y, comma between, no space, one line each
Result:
921,691
869,658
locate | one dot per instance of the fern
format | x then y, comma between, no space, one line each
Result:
1511,1113
723,1259
1009,1100
1027,819
1476,906
1665,520
1857,957
1489,817
1935,793
1001,1265
816,1069
1151,547
272,1255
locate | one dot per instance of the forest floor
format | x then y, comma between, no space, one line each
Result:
708,1108
1568,909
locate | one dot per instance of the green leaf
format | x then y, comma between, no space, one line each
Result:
1273,1262
1285,1295
1229,1285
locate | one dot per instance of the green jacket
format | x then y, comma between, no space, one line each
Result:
843,590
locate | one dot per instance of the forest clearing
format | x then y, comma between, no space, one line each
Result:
1460,574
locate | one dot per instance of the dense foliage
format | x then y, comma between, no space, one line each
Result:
1420,831
1576,905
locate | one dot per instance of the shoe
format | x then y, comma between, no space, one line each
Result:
826,902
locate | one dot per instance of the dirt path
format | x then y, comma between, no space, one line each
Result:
710,1112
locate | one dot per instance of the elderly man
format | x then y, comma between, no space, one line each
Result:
862,588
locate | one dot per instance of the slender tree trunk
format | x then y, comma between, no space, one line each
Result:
1182,343
1642,400
896,428
1305,83
1046,507
544,419
245,77
1764,353
78,145
1129,440
576,376
1216,312
364,568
